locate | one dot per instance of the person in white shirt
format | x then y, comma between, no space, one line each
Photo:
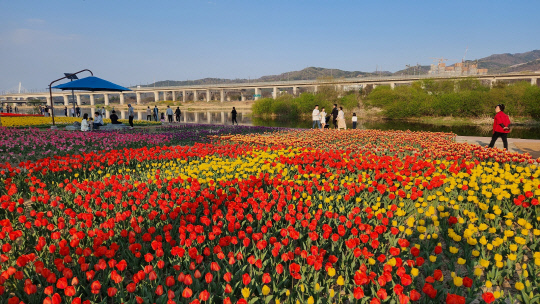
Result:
84,123
341,119
316,118
98,121
170,113
354,120
323,118
72,112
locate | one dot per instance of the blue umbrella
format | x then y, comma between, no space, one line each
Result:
91,83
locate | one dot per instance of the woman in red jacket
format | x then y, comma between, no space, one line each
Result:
501,126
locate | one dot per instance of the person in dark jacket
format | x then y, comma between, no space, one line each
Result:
233,114
178,112
335,112
501,126
114,118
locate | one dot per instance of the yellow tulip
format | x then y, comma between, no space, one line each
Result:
519,286
310,300
245,292
340,281
265,290
331,271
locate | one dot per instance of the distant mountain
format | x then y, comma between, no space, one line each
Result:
310,73
509,63
497,63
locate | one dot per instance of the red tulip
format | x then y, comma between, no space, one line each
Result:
69,291
358,293
208,277
488,297
454,299
227,277
170,281
246,279
159,290
95,287
187,293
111,291
204,295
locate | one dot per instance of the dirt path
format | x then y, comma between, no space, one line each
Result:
531,146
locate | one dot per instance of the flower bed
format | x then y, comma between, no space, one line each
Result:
359,217
60,121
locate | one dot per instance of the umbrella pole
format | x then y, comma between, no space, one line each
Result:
52,105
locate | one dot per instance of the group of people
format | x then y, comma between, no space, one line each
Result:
74,112
9,109
154,113
100,114
322,121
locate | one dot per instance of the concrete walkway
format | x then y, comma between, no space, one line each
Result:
531,146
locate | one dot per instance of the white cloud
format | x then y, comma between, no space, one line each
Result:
35,21
25,36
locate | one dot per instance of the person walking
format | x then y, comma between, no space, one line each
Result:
178,113
156,113
354,120
148,113
501,127
233,114
16,110
322,118
341,119
65,111
335,115
103,112
72,112
169,113
316,116
131,114
78,111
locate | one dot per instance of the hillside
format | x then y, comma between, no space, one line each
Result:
496,63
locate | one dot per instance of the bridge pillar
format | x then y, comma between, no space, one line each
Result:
243,97
196,117
121,98
274,93
66,100
156,96
208,117
184,96
534,81
122,114
173,95
492,82
138,97
139,115
92,100
294,90
315,89
49,101
195,96
78,96
222,95
208,97
222,117
257,92
106,98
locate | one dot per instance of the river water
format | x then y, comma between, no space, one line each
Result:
245,118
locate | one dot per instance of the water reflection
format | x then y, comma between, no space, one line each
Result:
245,118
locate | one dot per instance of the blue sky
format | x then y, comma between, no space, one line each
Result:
133,42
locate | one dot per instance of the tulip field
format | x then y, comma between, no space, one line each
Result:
199,214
